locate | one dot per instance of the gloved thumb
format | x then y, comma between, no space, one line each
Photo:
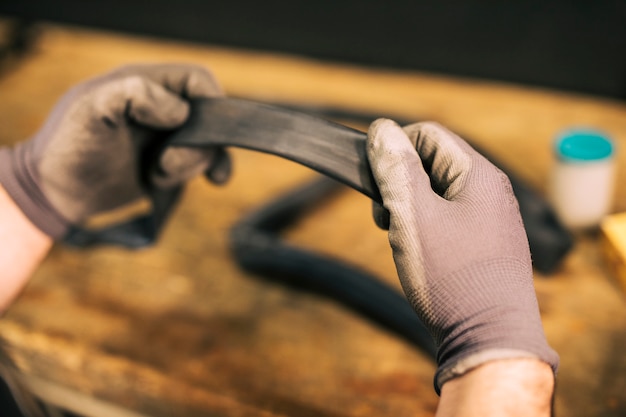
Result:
397,169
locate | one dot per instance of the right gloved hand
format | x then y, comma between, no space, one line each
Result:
86,159
459,246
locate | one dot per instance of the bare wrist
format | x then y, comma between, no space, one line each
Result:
504,388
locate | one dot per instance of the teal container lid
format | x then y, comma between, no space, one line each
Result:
583,146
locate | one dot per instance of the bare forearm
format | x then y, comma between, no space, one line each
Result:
23,247
505,388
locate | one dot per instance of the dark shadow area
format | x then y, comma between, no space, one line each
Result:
570,45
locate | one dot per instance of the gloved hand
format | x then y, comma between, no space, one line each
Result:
459,247
86,158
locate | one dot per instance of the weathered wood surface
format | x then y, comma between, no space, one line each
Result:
179,330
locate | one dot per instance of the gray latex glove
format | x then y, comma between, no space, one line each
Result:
86,158
459,246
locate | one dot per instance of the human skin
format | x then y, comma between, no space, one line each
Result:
510,388
23,247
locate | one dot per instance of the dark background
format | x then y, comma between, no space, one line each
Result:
571,45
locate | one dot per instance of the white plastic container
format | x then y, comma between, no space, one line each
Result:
582,181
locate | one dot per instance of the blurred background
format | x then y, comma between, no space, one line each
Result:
154,331
562,44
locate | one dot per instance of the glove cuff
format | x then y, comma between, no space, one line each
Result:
496,318
468,363
20,181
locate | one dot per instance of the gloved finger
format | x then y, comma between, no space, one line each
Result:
221,167
395,163
180,164
446,157
381,215
139,99
186,80
406,193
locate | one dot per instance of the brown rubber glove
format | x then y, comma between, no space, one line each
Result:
86,158
459,246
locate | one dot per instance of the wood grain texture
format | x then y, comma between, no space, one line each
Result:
613,244
178,329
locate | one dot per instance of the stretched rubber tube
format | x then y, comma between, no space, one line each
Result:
335,151
329,148
258,248
332,149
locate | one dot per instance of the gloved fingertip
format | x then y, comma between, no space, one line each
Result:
387,143
383,122
220,170
381,128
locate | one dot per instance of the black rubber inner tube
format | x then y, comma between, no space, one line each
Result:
336,151
258,248
330,148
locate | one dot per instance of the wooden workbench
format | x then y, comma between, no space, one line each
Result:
179,330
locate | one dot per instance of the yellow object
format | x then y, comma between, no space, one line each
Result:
614,245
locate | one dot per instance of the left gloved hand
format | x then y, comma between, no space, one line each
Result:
87,157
